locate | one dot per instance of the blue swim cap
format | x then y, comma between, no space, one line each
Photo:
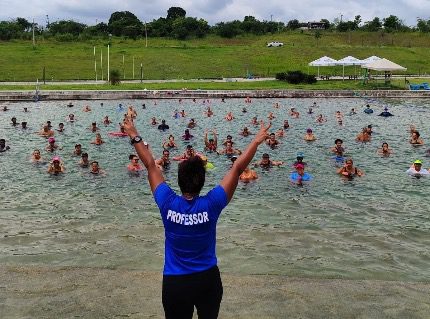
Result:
300,154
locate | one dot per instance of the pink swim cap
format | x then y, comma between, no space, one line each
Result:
51,140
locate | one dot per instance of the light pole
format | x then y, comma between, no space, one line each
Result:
141,72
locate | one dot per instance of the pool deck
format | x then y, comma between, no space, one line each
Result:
53,95
79,292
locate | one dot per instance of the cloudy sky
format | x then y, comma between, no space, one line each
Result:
213,11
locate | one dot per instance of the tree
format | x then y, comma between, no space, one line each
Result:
372,26
228,29
175,13
317,36
293,24
24,25
392,23
114,77
327,24
67,26
124,23
423,25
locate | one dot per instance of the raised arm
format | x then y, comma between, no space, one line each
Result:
230,180
206,138
215,138
155,176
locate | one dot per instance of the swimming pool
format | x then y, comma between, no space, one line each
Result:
374,227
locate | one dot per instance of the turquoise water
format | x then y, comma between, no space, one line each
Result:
374,227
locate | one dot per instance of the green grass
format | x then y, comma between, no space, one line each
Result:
249,85
211,57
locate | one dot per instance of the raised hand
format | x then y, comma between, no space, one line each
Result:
262,134
129,127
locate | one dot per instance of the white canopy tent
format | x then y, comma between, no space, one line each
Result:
324,61
349,60
384,65
371,59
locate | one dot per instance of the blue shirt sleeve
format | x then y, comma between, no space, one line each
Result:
217,198
162,194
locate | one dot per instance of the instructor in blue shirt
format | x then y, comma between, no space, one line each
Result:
191,277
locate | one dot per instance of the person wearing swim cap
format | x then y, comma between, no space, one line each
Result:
56,166
84,162
309,136
416,170
51,147
191,277
299,176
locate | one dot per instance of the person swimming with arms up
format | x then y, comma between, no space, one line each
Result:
212,143
299,176
56,166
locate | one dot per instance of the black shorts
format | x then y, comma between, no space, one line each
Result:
202,290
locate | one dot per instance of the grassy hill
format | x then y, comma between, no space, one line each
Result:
211,57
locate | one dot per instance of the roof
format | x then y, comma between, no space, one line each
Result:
383,65
323,61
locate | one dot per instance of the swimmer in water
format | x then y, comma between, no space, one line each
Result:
170,143
131,112
299,176
270,116
338,146
14,122
212,143
349,170
254,121
187,135
60,128
3,146
86,108
164,162
163,126
95,169
272,141
107,121
189,152
36,157
84,162
320,119
364,136
244,110
294,114
71,118
385,113
23,125
98,140
78,150
280,132
416,170
134,165
385,150
276,105
192,124
93,128
299,160
51,147
209,112
309,136
368,110
248,175
56,166
154,121
286,125
266,162
339,117
229,150
245,132
416,139
46,132
229,117
183,114
229,138
310,111
352,112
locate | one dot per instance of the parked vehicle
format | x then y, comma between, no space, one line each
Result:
275,44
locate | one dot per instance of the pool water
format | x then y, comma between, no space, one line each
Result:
373,227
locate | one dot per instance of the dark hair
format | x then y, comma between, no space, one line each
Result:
189,146
338,140
265,155
76,145
131,156
417,133
94,123
191,175
84,155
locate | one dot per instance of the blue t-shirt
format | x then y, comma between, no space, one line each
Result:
190,229
295,177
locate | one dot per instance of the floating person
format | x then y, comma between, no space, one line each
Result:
24,125
95,169
51,147
272,142
71,118
192,123
98,140
164,162
70,104
320,119
271,116
56,166
349,170
187,135
209,112
385,113
106,121
385,150
78,150
368,110
14,121
352,112
299,176
36,157
60,128
364,136
229,150
254,121
229,117
154,121
416,170
245,132
86,108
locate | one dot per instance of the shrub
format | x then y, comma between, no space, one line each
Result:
115,77
296,77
